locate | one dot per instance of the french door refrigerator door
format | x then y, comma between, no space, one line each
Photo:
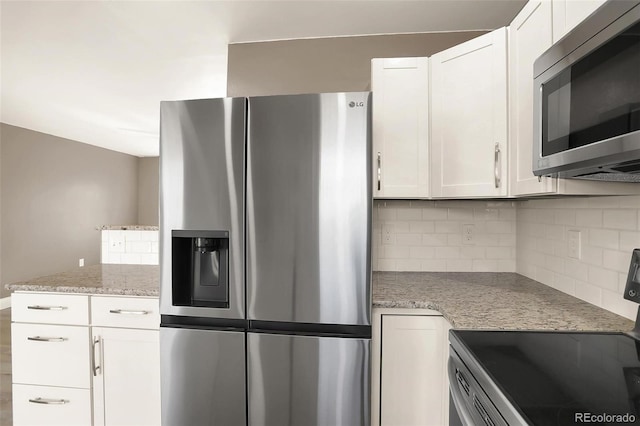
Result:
203,377
309,209
202,163
307,380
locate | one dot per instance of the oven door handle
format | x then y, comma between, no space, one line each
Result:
456,394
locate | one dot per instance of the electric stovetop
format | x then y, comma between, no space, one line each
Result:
561,378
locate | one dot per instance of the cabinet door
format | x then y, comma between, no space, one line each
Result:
413,368
126,379
469,118
569,13
400,127
529,36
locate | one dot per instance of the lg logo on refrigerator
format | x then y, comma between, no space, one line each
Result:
353,104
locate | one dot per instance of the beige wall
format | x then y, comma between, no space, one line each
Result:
55,192
323,65
148,190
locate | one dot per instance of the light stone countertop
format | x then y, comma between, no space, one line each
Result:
128,228
468,300
492,301
129,280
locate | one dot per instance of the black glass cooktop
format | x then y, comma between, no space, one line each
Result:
558,378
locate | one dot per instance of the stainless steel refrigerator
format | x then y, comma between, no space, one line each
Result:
265,225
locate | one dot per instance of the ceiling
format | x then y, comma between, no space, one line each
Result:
95,71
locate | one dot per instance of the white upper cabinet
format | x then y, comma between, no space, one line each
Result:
529,36
400,89
569,13
469,118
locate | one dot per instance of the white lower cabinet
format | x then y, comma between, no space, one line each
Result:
126,382
409,383
50,406
83,360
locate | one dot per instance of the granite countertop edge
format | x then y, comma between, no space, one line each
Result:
100,279
492,301
131,291
467,300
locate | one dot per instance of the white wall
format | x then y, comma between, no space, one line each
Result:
609,228
427,236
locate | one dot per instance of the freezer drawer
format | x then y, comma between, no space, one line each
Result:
307,380
202,377
309,209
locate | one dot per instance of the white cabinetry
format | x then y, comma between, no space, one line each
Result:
469,118
71,349
409,383
529,36
569,13
400,127
50,352
126,382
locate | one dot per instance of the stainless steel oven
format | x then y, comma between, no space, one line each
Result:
544,378
587,98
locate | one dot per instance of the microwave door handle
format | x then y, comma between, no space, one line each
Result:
496,164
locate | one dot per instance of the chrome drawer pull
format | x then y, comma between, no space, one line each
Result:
127,312
49,401
94,363
47,339
47,308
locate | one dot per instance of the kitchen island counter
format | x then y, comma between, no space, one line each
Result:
492,301
114,279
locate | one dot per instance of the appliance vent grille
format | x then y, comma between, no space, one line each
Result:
611,177
632,166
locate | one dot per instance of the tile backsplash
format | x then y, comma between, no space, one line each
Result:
609,229
130,247
428,236
529,237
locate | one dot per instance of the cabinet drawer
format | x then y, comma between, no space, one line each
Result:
127,312
50,308
53,355
48,406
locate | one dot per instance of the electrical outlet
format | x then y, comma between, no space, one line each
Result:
468,234
574,243
81,262
386,234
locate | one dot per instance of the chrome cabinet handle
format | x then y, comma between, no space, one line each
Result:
127,312
49,401
496,169
47,308
379,169
94,363
47,339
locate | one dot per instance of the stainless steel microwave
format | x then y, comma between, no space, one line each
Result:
587,99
